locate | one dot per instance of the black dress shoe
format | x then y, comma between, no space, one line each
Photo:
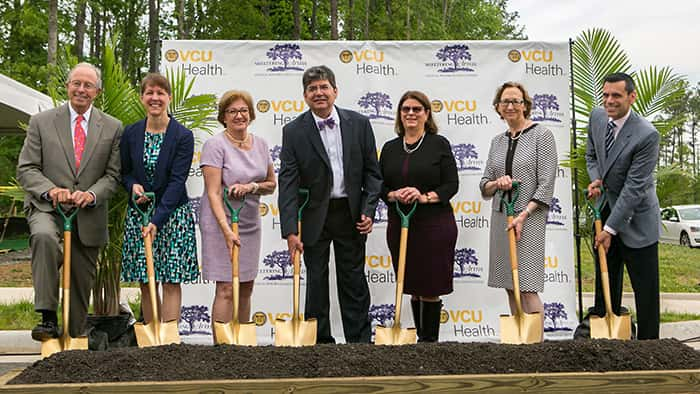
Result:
44,331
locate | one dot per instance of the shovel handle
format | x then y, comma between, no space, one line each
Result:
510,205
306,195
68,215
145,214
405,218
601,202
234,212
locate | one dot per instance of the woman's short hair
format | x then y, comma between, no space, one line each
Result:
430,125
231,96
526,97
155,79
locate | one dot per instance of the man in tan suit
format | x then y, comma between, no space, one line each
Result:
70,156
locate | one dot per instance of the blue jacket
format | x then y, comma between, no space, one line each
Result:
172,168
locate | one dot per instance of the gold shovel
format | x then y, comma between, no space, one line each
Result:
296,332
522,328
395,335
65,341
234,332
156,332
611,326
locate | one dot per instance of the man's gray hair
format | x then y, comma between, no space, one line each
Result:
88,65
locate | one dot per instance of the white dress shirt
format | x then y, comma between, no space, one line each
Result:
333,142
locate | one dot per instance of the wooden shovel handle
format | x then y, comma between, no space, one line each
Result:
400,275
150,271
235,280
514,267
66,282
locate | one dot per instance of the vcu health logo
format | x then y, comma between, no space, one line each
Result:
467,157
537,62
189,55
467,264
545,107
280,265
194,319
555,317
460,112
376,105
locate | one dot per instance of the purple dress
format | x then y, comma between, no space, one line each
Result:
239,166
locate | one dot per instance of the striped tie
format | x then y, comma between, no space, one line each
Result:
609,137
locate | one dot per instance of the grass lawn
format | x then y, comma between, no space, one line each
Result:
679,269
21,315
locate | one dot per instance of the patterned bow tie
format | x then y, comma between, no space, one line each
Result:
330,123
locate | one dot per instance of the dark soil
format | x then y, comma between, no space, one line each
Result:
189,362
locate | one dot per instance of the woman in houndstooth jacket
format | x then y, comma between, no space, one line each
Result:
526,153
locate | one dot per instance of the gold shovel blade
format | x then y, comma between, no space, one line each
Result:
149,335
56,345
50,346
395,336
615,327
524,329
295,333
228,333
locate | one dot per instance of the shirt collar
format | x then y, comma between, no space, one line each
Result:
621,122
334,115
74,114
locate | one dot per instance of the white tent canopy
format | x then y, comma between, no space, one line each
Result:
17,103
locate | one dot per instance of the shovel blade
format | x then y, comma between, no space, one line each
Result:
295,333
56,345
394,336
614,327
235,334
169,333
50,346
524,329
149,335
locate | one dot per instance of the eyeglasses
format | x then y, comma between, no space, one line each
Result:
415,110
86,85
514,103
236,111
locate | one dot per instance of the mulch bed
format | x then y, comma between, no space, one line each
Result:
192,362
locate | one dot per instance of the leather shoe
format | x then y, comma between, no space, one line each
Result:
44,331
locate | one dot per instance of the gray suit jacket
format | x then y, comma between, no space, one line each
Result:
305,164
628,176
47,160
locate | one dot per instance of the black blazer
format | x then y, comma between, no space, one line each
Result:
174,161
305,164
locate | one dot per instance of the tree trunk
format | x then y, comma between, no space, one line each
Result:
366,29
97,31
181,27
349,26
444,14
153,35
52,46
129,33
334,19
314,13
80,27
297,20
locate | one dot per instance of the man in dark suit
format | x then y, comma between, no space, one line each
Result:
621,155
70,156
331,152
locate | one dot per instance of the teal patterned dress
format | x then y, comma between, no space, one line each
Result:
175,244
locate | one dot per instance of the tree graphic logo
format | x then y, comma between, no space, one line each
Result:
541,104
278,261
467,157
196,206
455,54
381,314
287,54
171,55
467,263
555,216
376,105
275,156
381,215
196,320
554,312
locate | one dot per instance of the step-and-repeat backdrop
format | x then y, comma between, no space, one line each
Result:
460,78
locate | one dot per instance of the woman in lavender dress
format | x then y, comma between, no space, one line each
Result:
241,162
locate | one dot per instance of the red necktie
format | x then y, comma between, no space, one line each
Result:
78,140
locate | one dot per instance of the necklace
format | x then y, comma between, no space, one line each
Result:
405,146
237,141
518,134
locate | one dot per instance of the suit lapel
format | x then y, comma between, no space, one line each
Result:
346,133
622,140
94,134
165,148
311,130
65,136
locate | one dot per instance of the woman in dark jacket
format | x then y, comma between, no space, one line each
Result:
156,155
419,166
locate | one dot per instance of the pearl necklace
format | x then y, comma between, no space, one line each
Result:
518,135
237,141
409,151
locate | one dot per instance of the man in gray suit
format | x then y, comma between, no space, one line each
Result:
331,152
70,156
621,155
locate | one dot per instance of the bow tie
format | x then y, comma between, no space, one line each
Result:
330,123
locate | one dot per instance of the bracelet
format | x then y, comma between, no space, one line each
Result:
255,187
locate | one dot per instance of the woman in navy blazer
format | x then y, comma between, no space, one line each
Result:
156,155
